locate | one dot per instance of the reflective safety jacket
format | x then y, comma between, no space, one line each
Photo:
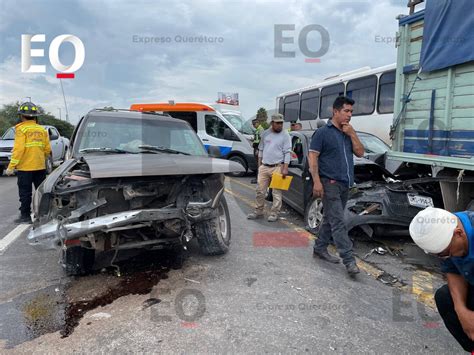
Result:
258,134
31,147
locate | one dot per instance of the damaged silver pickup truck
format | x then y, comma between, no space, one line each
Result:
133,181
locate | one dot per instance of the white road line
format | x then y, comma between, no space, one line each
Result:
10,237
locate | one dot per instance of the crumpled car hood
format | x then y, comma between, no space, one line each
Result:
128,165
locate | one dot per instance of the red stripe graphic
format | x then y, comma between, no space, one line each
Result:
312,60
65,75
280,239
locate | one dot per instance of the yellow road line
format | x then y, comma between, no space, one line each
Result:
421,281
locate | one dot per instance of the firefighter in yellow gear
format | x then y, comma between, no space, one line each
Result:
29,154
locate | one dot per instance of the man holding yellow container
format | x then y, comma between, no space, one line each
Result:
273,157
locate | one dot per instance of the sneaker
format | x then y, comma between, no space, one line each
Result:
352,268
272,218
253,181
23,219
254,215
324,255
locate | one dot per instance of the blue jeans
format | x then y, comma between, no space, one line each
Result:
333,226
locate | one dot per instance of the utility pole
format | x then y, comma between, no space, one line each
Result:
59,108
64,97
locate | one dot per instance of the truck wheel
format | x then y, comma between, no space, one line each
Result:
78,260
313,215
241,161
213,235
49,165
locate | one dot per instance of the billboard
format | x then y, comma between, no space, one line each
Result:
228,98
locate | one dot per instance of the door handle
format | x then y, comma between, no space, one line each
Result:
205,140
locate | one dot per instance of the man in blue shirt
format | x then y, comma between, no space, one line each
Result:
451,237
331,165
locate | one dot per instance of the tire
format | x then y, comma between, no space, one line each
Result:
49,165
78,261
213,235
241,161
313,215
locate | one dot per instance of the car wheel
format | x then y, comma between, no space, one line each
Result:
49,165
313,215
241,161
213,235
78,260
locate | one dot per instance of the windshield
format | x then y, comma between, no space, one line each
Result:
131,135
9,134
372,144
239,123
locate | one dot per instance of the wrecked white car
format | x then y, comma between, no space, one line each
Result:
134,181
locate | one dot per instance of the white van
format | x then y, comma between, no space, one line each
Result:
212,128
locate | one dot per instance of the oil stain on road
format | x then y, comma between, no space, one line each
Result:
61,307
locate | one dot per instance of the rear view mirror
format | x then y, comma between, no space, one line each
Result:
294,162
214,152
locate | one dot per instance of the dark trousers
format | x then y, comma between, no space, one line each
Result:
445,305
25,181
333,226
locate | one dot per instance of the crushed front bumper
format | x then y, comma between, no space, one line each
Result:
51,235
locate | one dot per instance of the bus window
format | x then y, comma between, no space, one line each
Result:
328,95
386,92
292,104
281,106
309,105
362,91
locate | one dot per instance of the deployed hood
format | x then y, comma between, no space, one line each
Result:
128,165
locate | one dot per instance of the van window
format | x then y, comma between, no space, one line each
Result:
190,117
386,92
309,105
328,95
292,105
281,105
362,91
215,127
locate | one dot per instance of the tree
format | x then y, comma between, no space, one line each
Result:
262,117
9,118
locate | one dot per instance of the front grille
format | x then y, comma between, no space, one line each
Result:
6,149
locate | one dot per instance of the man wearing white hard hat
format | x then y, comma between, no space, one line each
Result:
451,237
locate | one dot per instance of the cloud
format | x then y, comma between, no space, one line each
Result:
118,71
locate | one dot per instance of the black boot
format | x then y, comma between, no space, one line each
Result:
352,268
326,256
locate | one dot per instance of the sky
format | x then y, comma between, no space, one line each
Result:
233,49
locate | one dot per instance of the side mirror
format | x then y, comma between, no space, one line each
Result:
53,136
214,152
229,135
294,162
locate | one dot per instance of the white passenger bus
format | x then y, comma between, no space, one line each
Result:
372,89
